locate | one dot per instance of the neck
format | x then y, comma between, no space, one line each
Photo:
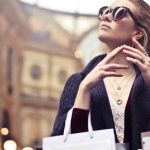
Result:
110,44
121,59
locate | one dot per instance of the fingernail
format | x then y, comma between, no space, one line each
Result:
127,58
125,51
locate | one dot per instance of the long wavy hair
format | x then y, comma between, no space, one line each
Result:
143,15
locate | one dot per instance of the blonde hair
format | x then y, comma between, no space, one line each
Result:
143,15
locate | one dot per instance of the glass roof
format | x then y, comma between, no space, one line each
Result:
72,6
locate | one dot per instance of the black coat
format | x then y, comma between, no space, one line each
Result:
100,108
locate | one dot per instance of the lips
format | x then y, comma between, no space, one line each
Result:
105,26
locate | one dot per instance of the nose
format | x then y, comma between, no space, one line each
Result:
107,17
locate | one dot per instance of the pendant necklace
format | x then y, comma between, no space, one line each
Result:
119,99
119,88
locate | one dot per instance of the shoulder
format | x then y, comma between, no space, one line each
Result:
76,77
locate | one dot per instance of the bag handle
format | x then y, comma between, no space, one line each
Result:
67,129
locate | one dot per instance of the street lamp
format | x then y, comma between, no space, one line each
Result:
10,145
4,131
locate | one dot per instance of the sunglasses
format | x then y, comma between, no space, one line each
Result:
117,14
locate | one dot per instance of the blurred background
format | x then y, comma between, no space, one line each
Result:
42,42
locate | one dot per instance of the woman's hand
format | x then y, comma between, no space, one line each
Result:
103,69
140,58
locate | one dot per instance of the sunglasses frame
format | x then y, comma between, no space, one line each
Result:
127,10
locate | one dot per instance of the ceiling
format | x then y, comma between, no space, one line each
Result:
73,6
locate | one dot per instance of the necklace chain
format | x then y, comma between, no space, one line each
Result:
119,85
119,100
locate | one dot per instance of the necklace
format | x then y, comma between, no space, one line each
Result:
119,99
120,86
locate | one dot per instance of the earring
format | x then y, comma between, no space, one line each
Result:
138,37
133,45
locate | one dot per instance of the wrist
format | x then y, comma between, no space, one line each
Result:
83,97
84,87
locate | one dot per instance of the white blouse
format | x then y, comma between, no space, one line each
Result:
118,117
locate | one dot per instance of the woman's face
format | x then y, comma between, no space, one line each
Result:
118,32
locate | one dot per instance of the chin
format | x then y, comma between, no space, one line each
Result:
108,41
103,38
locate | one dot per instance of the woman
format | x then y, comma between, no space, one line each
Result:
115,86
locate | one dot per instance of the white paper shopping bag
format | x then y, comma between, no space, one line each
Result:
145,139
102,140
91,140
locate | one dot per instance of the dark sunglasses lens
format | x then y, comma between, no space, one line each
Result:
119,13
103,11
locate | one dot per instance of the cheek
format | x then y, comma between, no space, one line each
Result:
123,31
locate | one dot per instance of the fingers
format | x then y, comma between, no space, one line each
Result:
110,70
134,50
136,55
133,54
112,55
135,58
114,67
138,45
112,74
139,63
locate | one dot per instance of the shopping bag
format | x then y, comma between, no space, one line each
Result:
145,140
91,140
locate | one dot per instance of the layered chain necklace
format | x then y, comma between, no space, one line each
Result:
120,88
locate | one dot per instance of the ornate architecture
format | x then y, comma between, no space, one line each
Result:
39,50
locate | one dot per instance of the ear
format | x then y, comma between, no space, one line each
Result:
138,34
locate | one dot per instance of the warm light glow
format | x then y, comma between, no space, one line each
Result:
10,145
78,54
29,1
27,148
80,6
73,6
4,131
